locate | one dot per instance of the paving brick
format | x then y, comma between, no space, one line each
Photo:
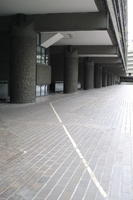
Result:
38,160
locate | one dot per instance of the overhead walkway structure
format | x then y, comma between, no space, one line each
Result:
57,41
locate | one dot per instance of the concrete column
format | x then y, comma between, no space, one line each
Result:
81,73
112,79
89,75
109,79
71,70
115,79
98,76
23,63
104,77
118,79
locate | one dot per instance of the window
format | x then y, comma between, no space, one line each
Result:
42,53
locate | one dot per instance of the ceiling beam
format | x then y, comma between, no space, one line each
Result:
71,21
97,49
90,50
113,65
107,60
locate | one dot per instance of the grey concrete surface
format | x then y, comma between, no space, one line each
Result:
23,64
71,70
89,75
104,77
43,75
39,161
97,76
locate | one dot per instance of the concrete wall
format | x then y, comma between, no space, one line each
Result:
43,74
57,62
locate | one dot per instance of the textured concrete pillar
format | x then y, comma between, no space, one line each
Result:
98,76
23,63
109,79
112,79
81,73
118,80
115,79
71,70
104,77
89,75
115,82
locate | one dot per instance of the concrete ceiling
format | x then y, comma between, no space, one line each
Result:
46,6
82,38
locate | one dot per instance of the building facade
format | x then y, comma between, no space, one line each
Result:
130,63
73,43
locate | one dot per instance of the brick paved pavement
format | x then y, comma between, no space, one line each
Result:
79,149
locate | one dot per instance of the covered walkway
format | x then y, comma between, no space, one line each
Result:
68,147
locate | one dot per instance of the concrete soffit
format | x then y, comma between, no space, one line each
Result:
99,54
71,21
113,30
100,50
77,24
107,60
100,5
110,8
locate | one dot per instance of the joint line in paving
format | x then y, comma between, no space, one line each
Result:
91,173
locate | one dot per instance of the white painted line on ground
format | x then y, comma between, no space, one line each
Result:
91,173
51,105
